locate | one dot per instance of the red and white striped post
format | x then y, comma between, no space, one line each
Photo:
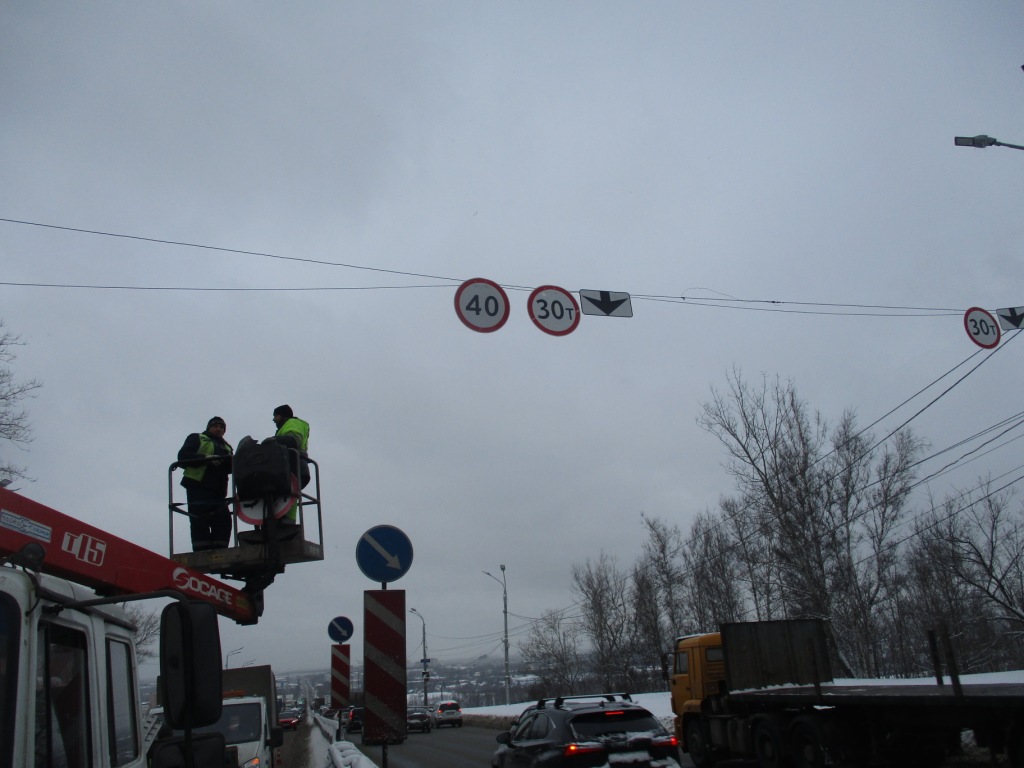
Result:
384,667
341,693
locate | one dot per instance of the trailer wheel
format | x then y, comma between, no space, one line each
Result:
807,745
696,745
768,745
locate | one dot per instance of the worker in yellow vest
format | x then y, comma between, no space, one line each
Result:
206,457
294,433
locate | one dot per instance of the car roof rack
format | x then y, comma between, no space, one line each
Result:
558,701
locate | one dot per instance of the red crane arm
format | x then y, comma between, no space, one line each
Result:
87,555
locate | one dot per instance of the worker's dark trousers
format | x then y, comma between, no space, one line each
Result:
209,517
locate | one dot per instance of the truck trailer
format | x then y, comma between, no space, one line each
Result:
764,691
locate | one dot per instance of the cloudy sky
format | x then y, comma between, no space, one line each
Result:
216,208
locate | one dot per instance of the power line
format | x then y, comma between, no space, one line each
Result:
759,305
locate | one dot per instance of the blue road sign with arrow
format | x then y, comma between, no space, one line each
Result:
340,629
384,553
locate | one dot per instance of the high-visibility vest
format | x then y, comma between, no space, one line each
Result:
298,428
206,448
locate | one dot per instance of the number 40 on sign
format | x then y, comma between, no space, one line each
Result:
482,305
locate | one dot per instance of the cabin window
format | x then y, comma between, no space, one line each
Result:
10,624
682,663
121,704
62,699
714,654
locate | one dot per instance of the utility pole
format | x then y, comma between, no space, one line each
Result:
426,658
504,595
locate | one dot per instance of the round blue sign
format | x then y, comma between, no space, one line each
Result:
384,553
340,629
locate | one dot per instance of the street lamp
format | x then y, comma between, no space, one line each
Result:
504,594
981,142
426,659
227,659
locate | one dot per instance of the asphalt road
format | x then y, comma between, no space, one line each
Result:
465,747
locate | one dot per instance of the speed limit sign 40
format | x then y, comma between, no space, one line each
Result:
982,328
554,310
481,305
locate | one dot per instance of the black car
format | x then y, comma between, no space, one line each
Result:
418,719
354,720
586,731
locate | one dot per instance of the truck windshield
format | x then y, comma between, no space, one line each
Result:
238,722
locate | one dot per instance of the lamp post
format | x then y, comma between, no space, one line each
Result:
504,595
227,659
981,142
426,659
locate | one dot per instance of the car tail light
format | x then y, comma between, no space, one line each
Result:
581,749
668,741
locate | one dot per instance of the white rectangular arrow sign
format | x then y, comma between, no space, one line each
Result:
605,303
1010,319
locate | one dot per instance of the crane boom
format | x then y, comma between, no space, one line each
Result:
112,566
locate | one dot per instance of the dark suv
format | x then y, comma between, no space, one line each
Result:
354,720
585,732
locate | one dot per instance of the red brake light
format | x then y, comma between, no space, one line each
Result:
668,741
581,749
614,712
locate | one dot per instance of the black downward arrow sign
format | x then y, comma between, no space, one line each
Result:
1013,318
606,304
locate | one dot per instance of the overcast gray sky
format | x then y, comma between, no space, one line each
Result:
730,153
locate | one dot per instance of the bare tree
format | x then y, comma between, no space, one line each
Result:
552,650
147,630
651,634
14,424
826,499
661,561
603,593
979,537
712,585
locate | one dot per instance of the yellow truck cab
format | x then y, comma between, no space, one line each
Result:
698,667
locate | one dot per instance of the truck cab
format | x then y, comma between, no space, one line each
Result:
68,663
58,670
697,669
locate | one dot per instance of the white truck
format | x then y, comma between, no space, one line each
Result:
250,706
251,735
68,674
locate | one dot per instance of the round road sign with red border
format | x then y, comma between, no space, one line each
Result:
482,305
982,328
554,310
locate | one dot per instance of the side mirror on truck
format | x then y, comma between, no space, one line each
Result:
190,671
276,736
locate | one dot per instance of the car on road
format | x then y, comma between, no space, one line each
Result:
289,719
570,732
418,719
354,720
448,713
